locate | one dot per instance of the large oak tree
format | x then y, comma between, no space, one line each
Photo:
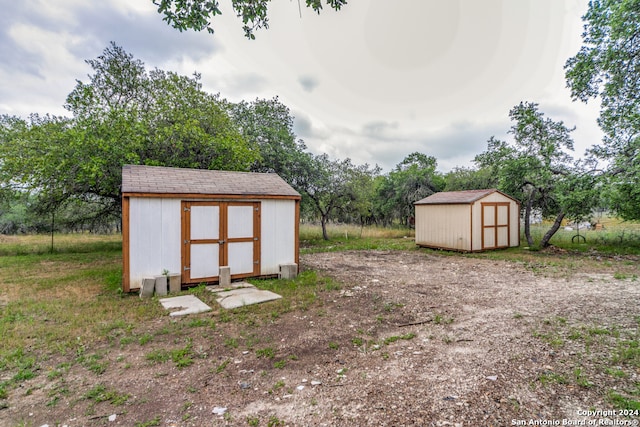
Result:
608,67
537,169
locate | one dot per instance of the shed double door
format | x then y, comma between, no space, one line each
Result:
495,225
216,234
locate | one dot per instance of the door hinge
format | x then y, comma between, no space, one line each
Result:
256,262
187,209
187,268
257,209
187,241
221,242
255,238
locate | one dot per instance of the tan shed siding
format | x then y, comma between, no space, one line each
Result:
476,214
514,220
514,216
495,197
514,211
154,238
444,226
278,226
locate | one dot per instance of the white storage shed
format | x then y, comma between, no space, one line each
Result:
194,221
472,220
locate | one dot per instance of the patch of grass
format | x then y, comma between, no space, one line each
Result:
616,373
221,367
439,319
553,338
278,385
145,339
51,299
200,322
395,338
40,244
182,356
93,363
623,402
581,379
274,421
547,378
100,393
627,352
159,355
231,342
267,352
151,423
334,345
280,364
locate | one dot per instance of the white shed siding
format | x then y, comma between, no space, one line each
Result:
445,226
154,239
278,222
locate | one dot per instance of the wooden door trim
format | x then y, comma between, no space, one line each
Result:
496,225
222,236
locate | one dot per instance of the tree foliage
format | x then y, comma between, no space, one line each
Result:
462,178
334,187
122,115
268,125
414,178
608,67
198,14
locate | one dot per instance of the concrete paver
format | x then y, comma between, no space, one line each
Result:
190,304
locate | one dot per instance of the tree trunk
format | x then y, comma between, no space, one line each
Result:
323,221
549,234
527,219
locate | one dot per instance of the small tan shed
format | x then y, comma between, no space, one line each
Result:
194,221
469,221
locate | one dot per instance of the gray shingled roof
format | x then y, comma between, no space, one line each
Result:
455,197
163,180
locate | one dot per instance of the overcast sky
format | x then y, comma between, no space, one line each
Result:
373,82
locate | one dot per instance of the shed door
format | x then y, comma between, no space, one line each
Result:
219,234
495,225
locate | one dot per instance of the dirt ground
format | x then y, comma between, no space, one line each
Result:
410,339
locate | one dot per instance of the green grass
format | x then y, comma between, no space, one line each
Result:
394,338
618,237
68,305
588,351
268,352
40,244
349,237
100,393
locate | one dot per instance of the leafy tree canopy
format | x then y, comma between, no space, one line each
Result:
608,67
198,14
268,125
414,178
122,115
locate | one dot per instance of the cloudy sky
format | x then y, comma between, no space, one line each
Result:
373,82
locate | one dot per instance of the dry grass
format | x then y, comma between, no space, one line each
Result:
309,231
